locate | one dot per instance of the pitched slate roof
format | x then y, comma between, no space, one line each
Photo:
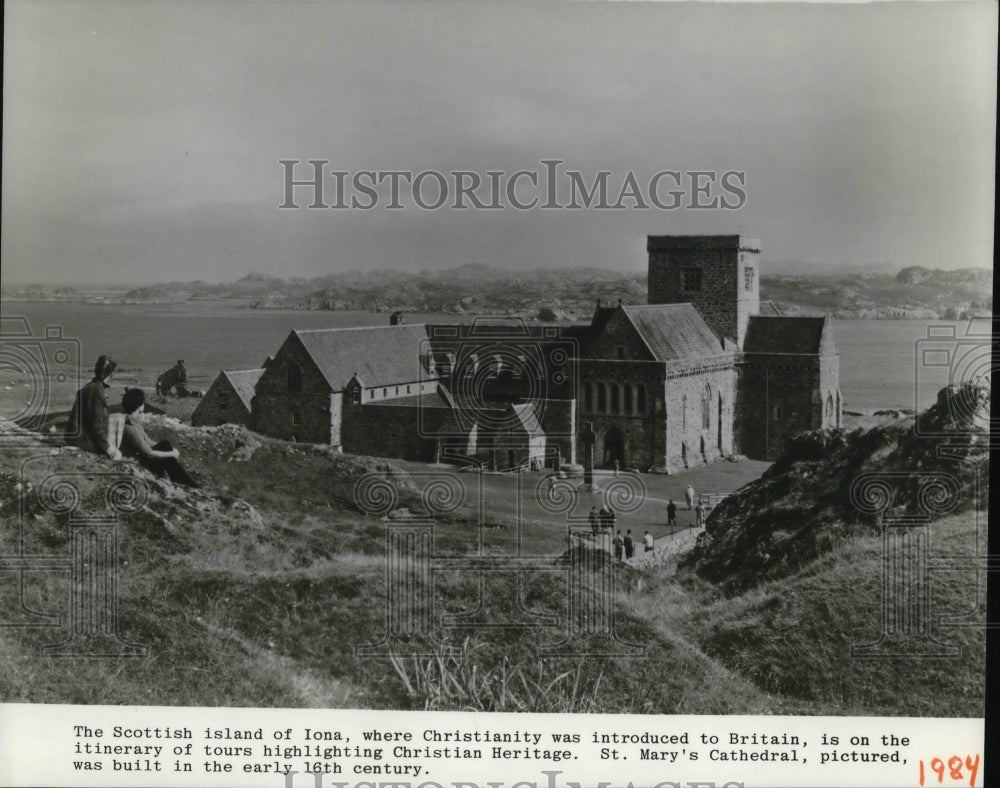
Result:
380,355
435,400
784,334
243,382
673,332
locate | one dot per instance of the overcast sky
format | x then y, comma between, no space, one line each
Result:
141,140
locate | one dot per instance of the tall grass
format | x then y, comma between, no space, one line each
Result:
456,679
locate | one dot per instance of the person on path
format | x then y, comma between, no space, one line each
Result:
88,421
689,495
699,514
619,544
629,545
594,519
648,541
618,466
671,514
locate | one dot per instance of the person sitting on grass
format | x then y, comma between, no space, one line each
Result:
160,458
88,421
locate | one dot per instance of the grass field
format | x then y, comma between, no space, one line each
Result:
260,589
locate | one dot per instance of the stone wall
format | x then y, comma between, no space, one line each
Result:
621,399
300,417
305,415
779,396
390,431
688,392
558,419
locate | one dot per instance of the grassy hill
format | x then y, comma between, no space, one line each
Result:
257,589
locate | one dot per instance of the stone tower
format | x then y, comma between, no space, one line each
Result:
719,274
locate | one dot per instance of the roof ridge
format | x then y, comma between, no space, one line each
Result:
354,328
237,371
656,306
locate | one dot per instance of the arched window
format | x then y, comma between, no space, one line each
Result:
294,377
616,399
777,411
356,395
640,398
706,408
684,414
588,398
837,406
602,398
829,408
629,400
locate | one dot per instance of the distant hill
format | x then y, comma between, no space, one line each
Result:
558,294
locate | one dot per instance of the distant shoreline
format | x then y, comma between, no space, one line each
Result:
244,303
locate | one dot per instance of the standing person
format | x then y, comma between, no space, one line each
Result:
699,514
618,465
619,544
88,421
629,545
160,458
594,520
647,540
689,494
612,519
671,514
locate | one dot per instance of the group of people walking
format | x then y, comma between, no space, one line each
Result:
94,428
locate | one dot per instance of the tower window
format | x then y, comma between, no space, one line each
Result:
620,350
691,279
296,418
777,411
748,277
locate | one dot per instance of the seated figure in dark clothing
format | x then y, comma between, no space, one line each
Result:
160,458
88,421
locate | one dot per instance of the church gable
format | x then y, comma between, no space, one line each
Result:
293,370
619,339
